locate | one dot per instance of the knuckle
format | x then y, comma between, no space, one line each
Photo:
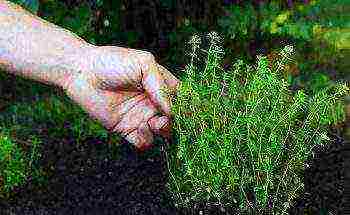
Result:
145,59
148,56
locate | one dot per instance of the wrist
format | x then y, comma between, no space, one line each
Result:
80,64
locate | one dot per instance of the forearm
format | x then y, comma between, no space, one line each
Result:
36,49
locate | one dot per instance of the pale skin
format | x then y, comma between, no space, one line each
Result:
120,87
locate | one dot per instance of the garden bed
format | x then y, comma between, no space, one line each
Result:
83,173
84,179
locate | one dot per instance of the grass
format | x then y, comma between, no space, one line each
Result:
58,113
12,167
21,132
17,165
242,136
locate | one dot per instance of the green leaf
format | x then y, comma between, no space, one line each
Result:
318,81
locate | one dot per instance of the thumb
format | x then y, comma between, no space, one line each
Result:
170,79
141,138
154,85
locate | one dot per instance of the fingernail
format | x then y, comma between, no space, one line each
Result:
163,122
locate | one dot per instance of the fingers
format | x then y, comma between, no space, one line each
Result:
141,138
154,84
157,81
170,79
160,125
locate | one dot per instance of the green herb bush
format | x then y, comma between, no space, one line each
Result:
242,133
17,164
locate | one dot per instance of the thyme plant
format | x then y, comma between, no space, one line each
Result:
242,136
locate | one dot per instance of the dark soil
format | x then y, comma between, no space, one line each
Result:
324,180
85,179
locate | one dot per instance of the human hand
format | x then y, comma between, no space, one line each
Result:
123,89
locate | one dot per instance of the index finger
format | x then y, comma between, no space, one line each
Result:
170,79
154,84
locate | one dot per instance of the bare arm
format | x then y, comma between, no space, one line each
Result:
34,48
120,87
